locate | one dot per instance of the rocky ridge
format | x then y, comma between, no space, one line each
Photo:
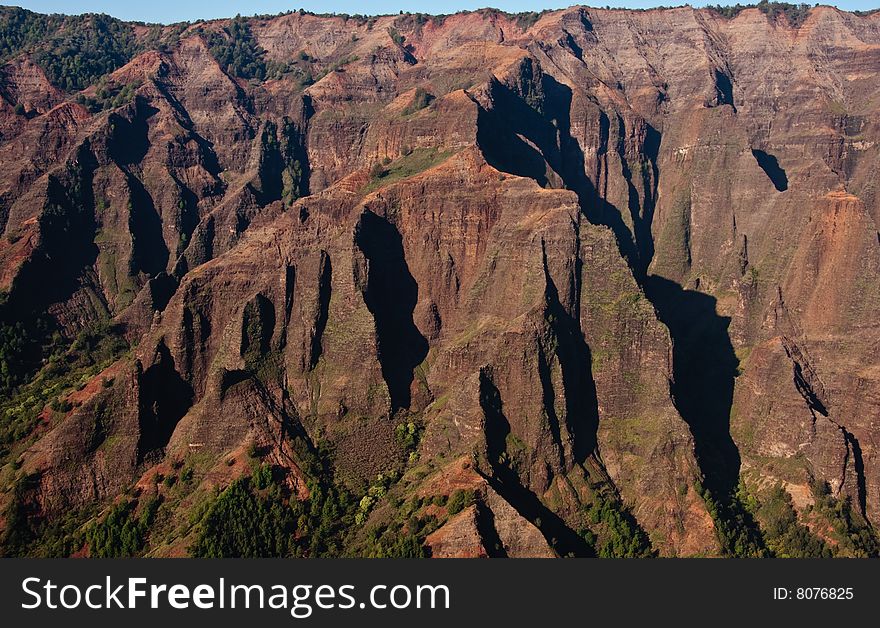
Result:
612,274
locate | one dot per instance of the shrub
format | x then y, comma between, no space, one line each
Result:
73,50
108,96
242,524
854,535
421,99
459,500
236,50
619,535
785,537
121,534
795,14
735,528
263,477
396,37
407,435
247,521
394,544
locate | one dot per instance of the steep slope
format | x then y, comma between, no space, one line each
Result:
593,282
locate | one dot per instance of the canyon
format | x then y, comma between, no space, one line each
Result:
608,281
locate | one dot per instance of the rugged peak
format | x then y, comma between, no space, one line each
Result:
478,284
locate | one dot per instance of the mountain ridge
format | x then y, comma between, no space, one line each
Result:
604,281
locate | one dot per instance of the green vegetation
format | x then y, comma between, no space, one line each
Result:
416,21
21,30
247,522
421,99
795,14
408,435
32,536
376,492
737,533
614,531
854,536
395,36
401,537
263,477
419,160
23,343
236,50
73,51
93,350
394,541
294,181
122,534
258,324
785,537
339,64
527,19
257,517
524,20
108,96
16,342
459,500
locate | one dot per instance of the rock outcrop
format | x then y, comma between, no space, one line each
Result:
616,262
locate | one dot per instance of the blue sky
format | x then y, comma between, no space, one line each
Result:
179,10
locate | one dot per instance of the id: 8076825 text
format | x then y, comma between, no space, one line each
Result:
813,593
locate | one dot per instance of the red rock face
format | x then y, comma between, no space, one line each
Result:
609,257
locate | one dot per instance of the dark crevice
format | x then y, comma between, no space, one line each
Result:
270,166
164,398
542,117
289,292
571,167
128,141
704,362
208,157
283,164
723,89
187,218
488,533
196,332
229,379
162,288
506,482
506,151
257,328
548,403
859,464
770,165
149,251
391,293
641,209
325,282
806,391
66,247
810,387
704,366
575,359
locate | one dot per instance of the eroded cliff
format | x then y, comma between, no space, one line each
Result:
593,282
